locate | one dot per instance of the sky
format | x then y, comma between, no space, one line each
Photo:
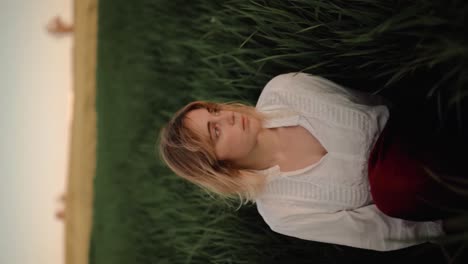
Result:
36,101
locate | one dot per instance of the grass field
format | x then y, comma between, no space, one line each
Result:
155,56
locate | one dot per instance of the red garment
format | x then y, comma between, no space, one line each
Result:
400,186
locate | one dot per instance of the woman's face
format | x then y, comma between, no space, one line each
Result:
233,134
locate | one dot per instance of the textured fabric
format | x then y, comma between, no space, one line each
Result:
330,201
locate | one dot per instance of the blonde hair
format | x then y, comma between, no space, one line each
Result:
193,158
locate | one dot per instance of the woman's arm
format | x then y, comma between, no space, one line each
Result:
365,227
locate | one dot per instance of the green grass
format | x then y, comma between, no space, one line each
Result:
155,56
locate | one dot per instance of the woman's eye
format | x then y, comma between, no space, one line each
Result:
216,132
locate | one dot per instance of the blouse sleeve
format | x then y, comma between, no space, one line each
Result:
364,227
311,85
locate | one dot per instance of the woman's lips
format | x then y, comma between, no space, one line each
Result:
245,120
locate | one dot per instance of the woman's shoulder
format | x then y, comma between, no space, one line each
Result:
304,85
286,81
275,87
281,80
298,82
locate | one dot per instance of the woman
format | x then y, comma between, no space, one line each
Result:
321,163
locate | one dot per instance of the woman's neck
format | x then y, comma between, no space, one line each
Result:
267,153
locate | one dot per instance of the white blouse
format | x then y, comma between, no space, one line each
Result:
330,201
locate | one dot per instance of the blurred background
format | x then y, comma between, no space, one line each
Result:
36,99
152,57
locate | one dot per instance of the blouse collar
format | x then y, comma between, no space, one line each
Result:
282,117
277,116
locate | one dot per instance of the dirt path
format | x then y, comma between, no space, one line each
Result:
82,163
